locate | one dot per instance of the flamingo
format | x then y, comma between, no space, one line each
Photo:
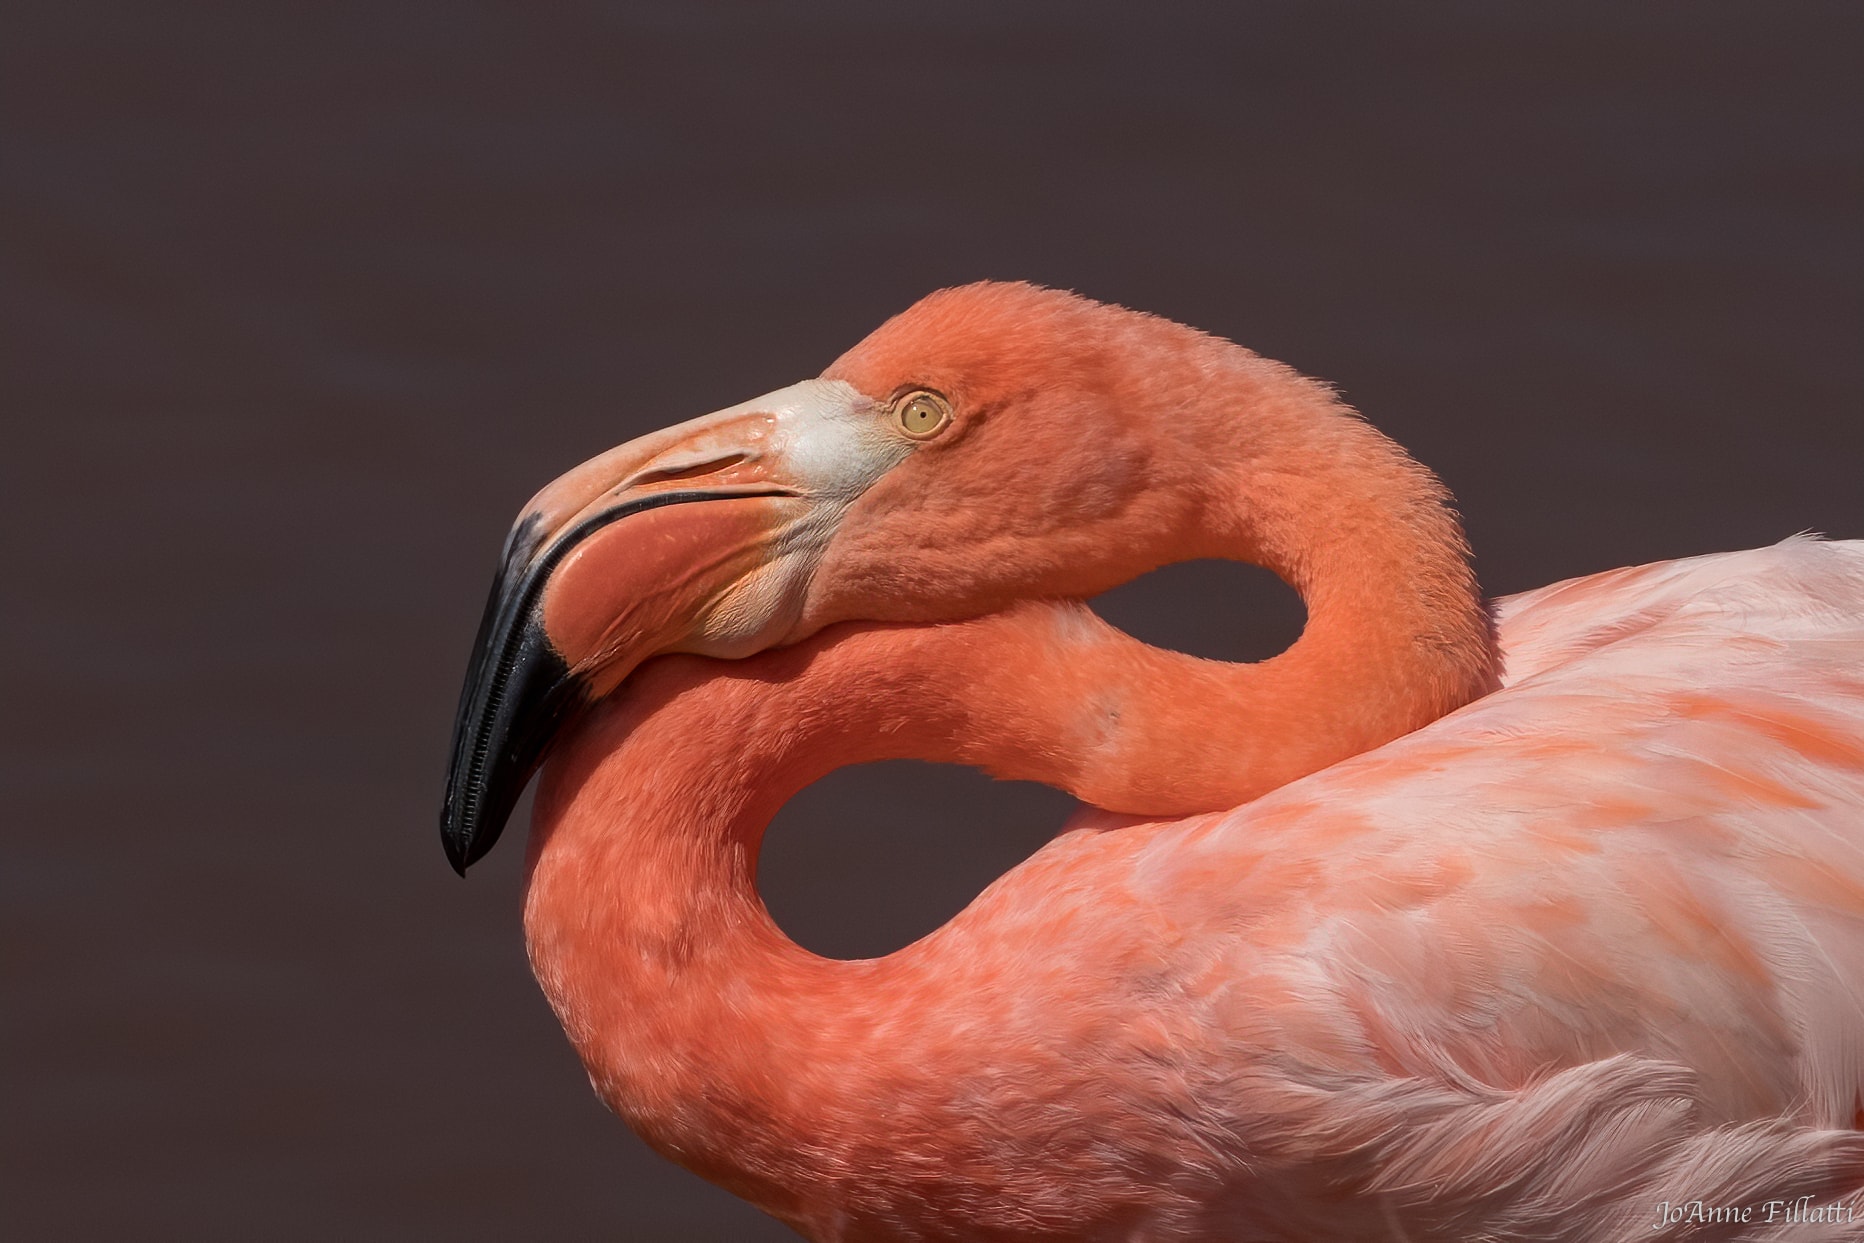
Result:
1534,920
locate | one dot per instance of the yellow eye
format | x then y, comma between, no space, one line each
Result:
923,414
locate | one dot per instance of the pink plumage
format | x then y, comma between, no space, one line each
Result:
1536,929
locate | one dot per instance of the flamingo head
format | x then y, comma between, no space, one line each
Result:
993,442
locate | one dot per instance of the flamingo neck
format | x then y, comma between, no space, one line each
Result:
1148,443
724,1044
761,1066
794,1081
1398,632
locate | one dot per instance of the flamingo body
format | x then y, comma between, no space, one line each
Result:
1583,943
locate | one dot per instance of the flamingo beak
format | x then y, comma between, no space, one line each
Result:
700,538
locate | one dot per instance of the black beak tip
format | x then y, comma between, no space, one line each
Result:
469,828
456,851
456,836
465,844
520,695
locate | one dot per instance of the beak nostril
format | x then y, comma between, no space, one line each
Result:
685,470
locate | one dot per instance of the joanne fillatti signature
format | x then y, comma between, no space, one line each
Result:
1765,1212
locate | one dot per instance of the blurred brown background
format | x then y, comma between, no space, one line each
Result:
299,302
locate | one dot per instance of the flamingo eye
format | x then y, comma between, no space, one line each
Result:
923,414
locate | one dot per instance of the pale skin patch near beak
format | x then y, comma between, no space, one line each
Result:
700,538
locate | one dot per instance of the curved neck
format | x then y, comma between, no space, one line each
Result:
1398,632
757,1064
724,1044
1253,462
1144,442
795,1081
